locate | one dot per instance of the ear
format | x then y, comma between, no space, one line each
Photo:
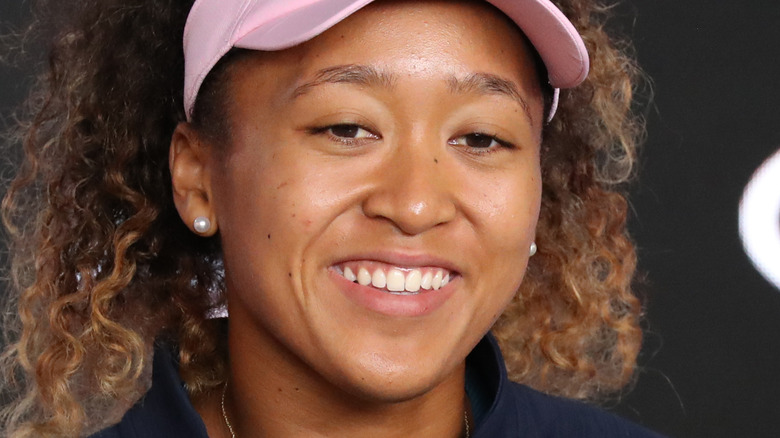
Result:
188,159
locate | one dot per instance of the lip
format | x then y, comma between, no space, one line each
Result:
412,305
389,304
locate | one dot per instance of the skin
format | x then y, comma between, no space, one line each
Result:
295,192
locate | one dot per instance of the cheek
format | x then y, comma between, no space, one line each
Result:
272,206
250,206
264,229
507,206
506,218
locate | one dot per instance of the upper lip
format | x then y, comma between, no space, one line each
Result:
403,259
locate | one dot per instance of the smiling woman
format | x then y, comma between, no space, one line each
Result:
363,186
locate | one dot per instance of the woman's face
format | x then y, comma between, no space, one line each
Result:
379,194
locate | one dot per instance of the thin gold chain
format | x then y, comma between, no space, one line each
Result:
224,413
465,420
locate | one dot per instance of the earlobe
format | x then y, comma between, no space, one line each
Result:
188,160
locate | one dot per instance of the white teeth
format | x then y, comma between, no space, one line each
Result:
425,283
413,280
398,280
349,275
363,277
395,280
436,282
378,280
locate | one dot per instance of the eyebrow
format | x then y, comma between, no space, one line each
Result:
486,83
346,74
364,75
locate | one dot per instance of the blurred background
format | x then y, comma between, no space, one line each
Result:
710,366
711,358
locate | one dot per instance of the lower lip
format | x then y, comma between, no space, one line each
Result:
420,304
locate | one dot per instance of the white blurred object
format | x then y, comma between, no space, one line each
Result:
759,219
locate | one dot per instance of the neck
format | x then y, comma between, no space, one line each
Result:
273,393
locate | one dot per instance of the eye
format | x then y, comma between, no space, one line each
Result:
347,132
479,140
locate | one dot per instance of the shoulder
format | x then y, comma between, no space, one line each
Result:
507,409
559,417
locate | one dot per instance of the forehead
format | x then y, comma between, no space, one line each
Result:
404,41
471,31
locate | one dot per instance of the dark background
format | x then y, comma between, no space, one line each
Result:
710,365
712,353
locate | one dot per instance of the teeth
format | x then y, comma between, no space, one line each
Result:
413,281
426,281
363,278
398,280
395,280
378,280
349,275
436,282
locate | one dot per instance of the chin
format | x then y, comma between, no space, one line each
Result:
381,378
395,388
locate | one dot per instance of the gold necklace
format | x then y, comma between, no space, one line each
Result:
233,434
224,412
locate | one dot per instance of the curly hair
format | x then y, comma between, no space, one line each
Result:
103,267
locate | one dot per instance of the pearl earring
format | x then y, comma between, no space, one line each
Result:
533,249
201,224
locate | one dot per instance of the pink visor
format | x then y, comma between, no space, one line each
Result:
215,26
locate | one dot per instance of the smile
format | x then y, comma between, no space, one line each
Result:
393,279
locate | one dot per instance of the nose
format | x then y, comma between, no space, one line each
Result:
412,190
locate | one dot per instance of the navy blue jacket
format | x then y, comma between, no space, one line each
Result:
501,408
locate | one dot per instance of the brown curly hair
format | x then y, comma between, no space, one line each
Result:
103,267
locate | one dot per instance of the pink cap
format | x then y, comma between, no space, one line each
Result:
215,26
